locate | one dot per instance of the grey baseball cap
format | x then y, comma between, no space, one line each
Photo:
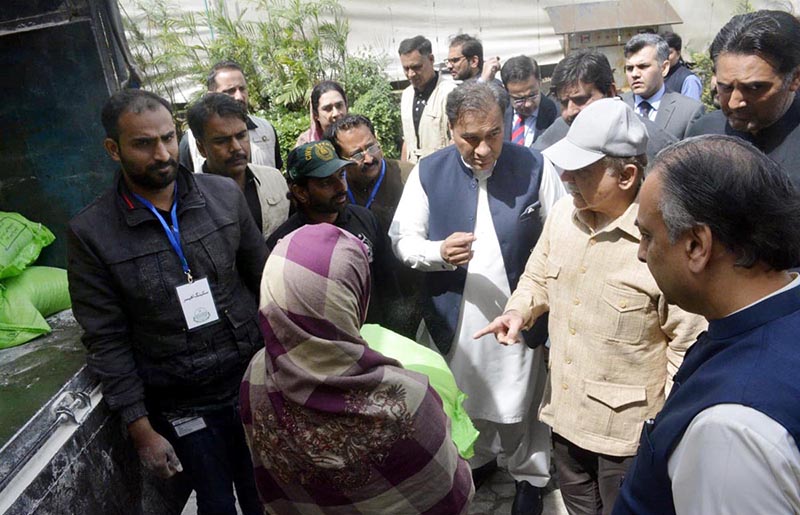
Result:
607,127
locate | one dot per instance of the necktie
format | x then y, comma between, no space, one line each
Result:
518,131
645,108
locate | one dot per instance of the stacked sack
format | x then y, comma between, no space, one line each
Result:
28,294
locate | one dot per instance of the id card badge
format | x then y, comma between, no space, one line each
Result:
187,425
197,303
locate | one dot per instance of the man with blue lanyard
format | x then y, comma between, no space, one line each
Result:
164,271
377,184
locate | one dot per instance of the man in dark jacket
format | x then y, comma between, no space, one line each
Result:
164,270
530,112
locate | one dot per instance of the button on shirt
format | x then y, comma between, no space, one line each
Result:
615,343
654,101
421,100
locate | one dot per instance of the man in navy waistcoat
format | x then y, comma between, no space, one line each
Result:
469,216
720,227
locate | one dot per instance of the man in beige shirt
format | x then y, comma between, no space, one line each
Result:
615,343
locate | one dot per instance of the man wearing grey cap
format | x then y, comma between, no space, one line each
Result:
615,342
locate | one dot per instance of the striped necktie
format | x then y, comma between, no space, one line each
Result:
518,131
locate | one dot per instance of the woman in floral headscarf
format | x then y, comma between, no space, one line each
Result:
333,426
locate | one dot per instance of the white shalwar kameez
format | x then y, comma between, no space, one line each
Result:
504,384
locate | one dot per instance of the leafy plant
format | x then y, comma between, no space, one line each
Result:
300,43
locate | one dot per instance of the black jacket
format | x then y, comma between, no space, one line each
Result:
123,273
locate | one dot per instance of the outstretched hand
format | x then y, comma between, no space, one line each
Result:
505,328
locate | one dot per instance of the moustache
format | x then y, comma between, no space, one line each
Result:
156,167
235,158
571,188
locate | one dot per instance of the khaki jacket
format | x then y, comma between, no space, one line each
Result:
615,342
272,193
433,128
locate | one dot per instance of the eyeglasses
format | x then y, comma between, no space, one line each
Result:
374,150
454,60
521,101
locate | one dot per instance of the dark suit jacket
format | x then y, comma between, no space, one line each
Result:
675,113
548,112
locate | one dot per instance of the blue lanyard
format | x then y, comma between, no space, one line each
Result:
374,189
173,233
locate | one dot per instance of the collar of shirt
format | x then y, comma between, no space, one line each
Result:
625,222
425,92
654,101
478,174
250,124
793,284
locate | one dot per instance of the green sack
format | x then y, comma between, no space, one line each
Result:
21,241
418,358
26,299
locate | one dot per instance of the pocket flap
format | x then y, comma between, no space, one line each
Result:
552,270
624,300
614,395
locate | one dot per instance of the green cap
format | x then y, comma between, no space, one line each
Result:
317,159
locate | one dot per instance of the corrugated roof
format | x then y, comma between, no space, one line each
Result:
591,16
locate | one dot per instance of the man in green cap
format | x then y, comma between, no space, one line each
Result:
317,183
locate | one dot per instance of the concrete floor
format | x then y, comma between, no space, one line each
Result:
494,498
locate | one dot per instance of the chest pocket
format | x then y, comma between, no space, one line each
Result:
626,312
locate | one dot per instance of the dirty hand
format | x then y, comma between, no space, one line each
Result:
506,328
155,452
456,250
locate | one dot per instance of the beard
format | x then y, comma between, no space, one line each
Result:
154,177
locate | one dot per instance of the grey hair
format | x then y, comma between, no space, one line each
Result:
639,41
743,196
474,96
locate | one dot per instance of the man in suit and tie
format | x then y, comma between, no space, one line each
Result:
529,112
646,65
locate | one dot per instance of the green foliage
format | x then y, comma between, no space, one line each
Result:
366,83
300,43
704,68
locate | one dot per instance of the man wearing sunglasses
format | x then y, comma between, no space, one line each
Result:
529,113
578,80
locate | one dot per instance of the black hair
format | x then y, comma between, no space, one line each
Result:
419,43
322,88
470,47
346,123
128,100
772,35
211,104
587,66
211,79
519,69
743,196
474,96
673,40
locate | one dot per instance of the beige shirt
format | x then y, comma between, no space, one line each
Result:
615,343
433,126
